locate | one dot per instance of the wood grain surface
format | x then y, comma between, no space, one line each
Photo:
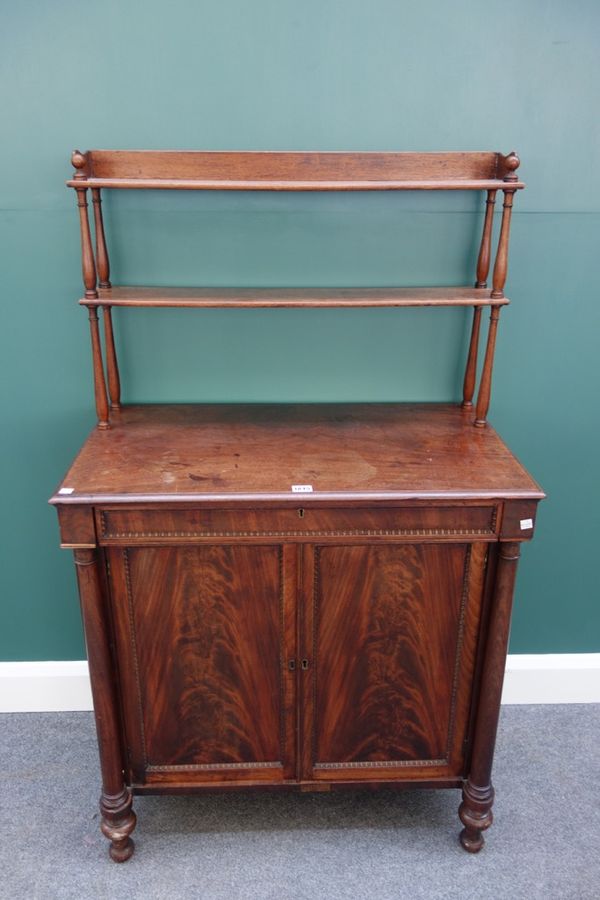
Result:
253,452
203,635
160,525
394,637
244,297
257,170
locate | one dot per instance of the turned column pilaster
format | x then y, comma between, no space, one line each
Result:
118,818
475,811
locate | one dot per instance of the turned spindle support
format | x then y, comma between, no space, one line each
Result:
102,263
99,382
483,268
118,818
471,367
511,164
485,385
103,268
112,367
88,267
475,811
485,253
501,261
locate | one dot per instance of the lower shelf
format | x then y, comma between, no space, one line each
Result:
238,297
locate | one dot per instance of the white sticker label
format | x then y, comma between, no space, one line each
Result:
526,523
302,489
66,490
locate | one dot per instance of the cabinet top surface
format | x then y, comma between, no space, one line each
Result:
256,452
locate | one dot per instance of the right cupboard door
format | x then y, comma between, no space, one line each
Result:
390,636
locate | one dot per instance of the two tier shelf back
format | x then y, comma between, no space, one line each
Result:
96,170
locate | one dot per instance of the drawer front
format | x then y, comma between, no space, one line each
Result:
160,525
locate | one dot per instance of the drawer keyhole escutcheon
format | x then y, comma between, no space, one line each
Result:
300,513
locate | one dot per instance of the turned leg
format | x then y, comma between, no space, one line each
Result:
118,821
118,818
475,811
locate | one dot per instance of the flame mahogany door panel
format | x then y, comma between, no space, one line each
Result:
203,637
390,635
209,663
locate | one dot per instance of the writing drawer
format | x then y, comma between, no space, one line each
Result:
147,526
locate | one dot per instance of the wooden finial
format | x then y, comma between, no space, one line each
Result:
511,164
79,162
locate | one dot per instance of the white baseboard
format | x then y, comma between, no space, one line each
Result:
537,678
552,678
45,686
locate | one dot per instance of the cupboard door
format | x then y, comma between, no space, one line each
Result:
203,636
390,637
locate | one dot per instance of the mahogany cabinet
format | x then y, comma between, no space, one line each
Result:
296,596
378,673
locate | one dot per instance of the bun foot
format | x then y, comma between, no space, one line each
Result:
121,851
118,821
121,845
472,840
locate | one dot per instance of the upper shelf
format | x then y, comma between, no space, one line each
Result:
224,297
293,171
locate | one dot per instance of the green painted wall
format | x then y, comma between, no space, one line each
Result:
276,74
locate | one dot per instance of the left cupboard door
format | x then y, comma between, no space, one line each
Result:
205,645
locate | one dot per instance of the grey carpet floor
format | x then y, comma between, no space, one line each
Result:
544,844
